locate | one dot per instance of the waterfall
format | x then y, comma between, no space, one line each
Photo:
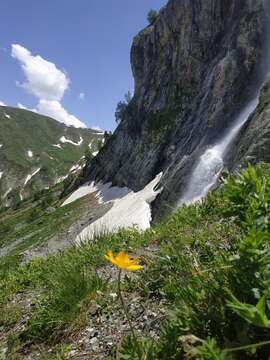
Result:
210,164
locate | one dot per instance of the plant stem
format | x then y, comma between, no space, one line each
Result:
245,347
127,315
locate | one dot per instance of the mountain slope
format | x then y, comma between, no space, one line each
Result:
203,292
37,152
195,69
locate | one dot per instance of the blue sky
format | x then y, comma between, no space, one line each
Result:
89,43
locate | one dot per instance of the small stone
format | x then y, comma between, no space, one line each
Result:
93,341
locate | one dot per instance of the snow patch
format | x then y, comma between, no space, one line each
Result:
30,153
7,116
76,167
1,174
129,208
65,140
95,153
57,145
29,177
7,192
60,179
1,145
105,192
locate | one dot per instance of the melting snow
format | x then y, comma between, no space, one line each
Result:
29,177
57,145
65,140
76,167
30,153
60,179
105,192
129,208
7,192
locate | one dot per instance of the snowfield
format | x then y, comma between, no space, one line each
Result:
65,140
129,208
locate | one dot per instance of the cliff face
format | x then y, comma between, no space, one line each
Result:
194,69
253,143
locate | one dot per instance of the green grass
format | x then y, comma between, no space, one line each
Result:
37,221
211,269
24,131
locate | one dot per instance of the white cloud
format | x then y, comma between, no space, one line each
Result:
44,80
96,127
81,96
47,83
21,106
2,103
55,110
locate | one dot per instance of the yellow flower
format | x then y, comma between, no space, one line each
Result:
123,261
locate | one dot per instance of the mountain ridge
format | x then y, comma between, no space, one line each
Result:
37,151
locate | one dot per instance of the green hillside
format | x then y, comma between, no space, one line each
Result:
31,143
203,292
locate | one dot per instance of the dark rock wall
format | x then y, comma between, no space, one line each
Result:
194,69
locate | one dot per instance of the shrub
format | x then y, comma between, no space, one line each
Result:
122,107
152,16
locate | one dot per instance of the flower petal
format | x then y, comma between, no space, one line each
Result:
123,261
134,267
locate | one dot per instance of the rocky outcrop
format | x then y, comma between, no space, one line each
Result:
253,143
194,69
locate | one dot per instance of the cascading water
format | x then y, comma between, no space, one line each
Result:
210,164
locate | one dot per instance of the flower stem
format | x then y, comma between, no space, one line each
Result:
127,315
246,347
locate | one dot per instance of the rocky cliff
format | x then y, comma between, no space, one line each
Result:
195,68
253,143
